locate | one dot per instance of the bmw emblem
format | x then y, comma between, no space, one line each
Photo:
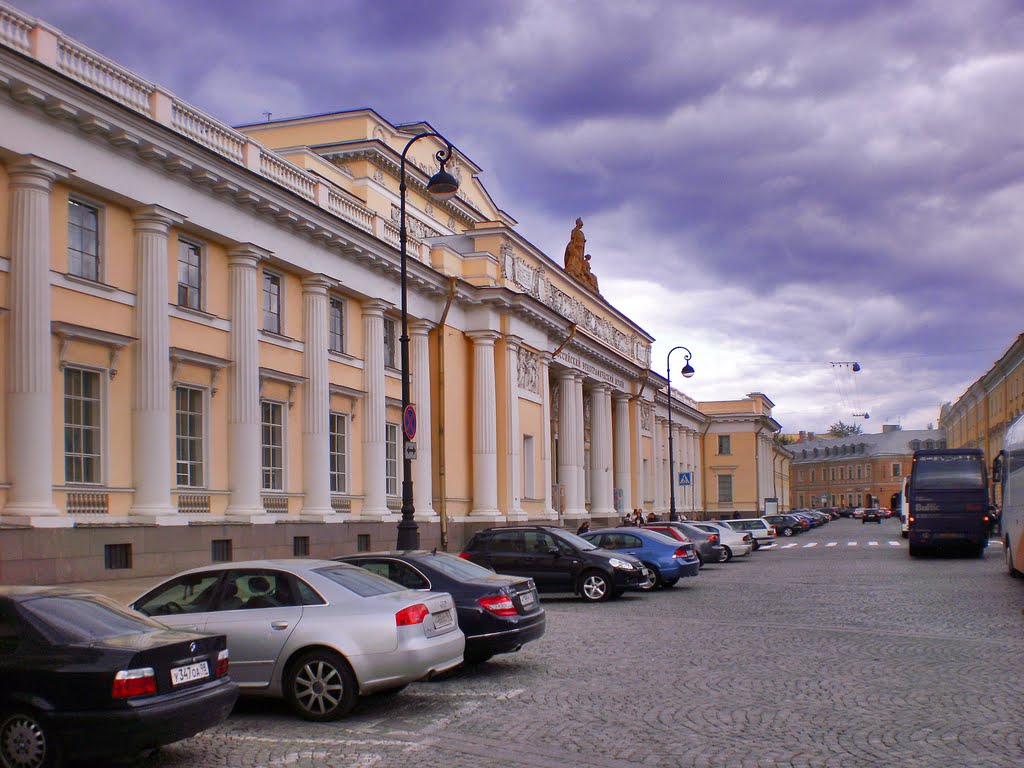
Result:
192,648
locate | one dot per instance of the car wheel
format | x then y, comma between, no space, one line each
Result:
25,741
653,581
904,534
595,587
1012,572
700,561
787,531
915,550
666,583
726,554
320,686
476,656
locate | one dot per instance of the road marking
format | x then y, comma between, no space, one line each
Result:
789,546
894,544
872,543
831,544
812,544
851,543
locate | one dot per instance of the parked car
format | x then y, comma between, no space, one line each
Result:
315,632
82,676
497,613
556,560
818,515
858,513
708,545
734,543
872,515
809,520
668,560
785,525
761,531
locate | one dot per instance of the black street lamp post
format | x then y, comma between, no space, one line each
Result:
442,186
687,373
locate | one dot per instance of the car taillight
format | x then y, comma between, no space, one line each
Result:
464,555
713,538
414,614
973,507
222,663
746,537
681,552
910,519
499,606
771,531
129,683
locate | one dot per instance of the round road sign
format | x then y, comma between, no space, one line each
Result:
409,422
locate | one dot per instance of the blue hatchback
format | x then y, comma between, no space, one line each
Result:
668,560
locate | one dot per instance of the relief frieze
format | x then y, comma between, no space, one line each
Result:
645,416
528,363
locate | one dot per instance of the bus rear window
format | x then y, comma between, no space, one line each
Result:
945,473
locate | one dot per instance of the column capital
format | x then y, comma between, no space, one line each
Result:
513,341
483,338
619,397
247,255
600,386
34,171
421,327
375,307
317,285
155,218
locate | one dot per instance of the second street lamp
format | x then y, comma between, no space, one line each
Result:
442,186
687,372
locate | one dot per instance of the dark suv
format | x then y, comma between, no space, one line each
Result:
785,525
556,560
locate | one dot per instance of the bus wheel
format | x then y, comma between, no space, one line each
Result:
1012,572
914,550
904,534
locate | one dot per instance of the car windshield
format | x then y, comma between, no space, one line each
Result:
948,472
81,619
577,541
661,538
359,580
456,567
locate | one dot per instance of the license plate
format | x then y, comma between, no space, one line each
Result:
191,673
645,573
442,618
527,598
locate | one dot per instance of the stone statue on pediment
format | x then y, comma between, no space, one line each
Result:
577,261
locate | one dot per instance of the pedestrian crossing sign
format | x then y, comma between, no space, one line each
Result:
685,478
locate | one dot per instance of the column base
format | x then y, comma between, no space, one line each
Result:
604,512
254,516
150,519
518,514
427,517
332,518
152,510
382,514
576,514
548,514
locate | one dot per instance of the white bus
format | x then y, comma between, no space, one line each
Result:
1009,473
905,509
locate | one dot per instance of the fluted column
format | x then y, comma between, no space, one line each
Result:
316,404
601,451
374,418
686,492
623,457
151,394
545,446
568,425
485,425
29,348
579,444
422,465
660,484
514,500
244,418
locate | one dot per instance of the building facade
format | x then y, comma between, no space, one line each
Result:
746,467
857,470
200,327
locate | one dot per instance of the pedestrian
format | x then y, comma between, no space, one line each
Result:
652,518
638,517
584,528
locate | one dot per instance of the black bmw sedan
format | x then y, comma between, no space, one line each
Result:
81,676
498,614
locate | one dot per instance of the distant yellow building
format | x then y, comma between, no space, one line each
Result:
200,329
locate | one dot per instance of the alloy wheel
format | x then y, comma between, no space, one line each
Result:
23,742
595,587
319,687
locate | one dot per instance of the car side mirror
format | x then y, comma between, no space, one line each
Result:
553,551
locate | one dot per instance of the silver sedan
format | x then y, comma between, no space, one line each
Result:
315,632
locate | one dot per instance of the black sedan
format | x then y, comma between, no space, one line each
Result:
84,677
498,614
873,515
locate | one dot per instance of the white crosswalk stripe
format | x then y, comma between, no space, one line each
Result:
812,544
894,544
789,546
831,544
851,543
872,543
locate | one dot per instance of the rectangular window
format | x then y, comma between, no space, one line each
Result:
896,470
339,453
867,470
362,542
833,474
391,460
801,500
117,556
190,275
390,343
83,240
529,468
725,489
336,338
273,446
860,471
842,473
800,476
189,436
812,475
271,302
82,426
724,445
300,546
221,550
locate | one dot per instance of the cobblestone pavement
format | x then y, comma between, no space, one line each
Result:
825,656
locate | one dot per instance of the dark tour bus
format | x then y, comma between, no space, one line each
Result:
949,500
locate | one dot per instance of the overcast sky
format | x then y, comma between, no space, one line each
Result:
777,185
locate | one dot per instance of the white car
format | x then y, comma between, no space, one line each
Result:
760,530
734,543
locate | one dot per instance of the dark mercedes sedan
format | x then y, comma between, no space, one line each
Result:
81,676
497,614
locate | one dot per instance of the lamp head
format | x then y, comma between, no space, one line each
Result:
687,371
442,185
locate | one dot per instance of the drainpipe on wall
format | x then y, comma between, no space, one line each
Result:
564,344
442,480
703,485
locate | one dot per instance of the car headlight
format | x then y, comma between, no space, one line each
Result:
622,564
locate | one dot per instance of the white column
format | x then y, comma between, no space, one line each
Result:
545,446
685,465
660,481
638,460
422,465
601,451
623,456
698,474
30,368
244,418
151,393
567,428
514,500
374,417
316,405
579,444
485,426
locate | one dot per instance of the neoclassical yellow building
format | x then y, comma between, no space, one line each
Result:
199,327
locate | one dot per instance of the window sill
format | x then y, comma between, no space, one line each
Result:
197,312
91,283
